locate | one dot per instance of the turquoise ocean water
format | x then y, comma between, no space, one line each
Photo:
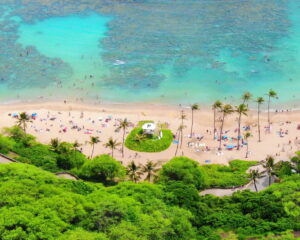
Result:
150,51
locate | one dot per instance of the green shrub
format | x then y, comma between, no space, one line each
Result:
35,204
6,144
18,134
38,155
72,159
283,169
150,143
296,163
103,169
183,169
228,176
81,234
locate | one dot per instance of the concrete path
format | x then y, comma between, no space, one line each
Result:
261,184
5,159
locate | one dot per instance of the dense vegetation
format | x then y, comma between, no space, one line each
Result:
35,204
184,170
228,176
138,141
59,156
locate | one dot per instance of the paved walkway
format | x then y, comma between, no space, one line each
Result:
4,159
261,184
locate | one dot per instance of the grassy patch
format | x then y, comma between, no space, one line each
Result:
150,143
233,175
141,123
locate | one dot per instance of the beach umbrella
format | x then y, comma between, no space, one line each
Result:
230,146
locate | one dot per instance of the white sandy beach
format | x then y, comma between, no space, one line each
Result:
70,114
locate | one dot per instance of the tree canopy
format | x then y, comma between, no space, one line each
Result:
183,169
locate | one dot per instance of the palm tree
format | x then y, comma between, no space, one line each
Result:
112,144
75,146
150,169
163,125
54,143
93,141
194,107
271,94
269,166
241,110
247,135
124,124
182,116
259,101
246,97
254,175
139,137
180,129
225,110
179,132
216,106
22,121
133,171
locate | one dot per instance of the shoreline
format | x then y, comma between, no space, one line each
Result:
90,105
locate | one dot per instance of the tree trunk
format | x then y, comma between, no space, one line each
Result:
181,138
258,123
270,179
177,143
92,151
192,123
221,130
134,179
112,152
247,149
254,181
75,158
123,142
239,132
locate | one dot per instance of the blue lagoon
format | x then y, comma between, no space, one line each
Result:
149,51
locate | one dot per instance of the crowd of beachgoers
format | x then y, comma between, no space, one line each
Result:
74,122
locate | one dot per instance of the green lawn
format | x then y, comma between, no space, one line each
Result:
228,176
151,143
